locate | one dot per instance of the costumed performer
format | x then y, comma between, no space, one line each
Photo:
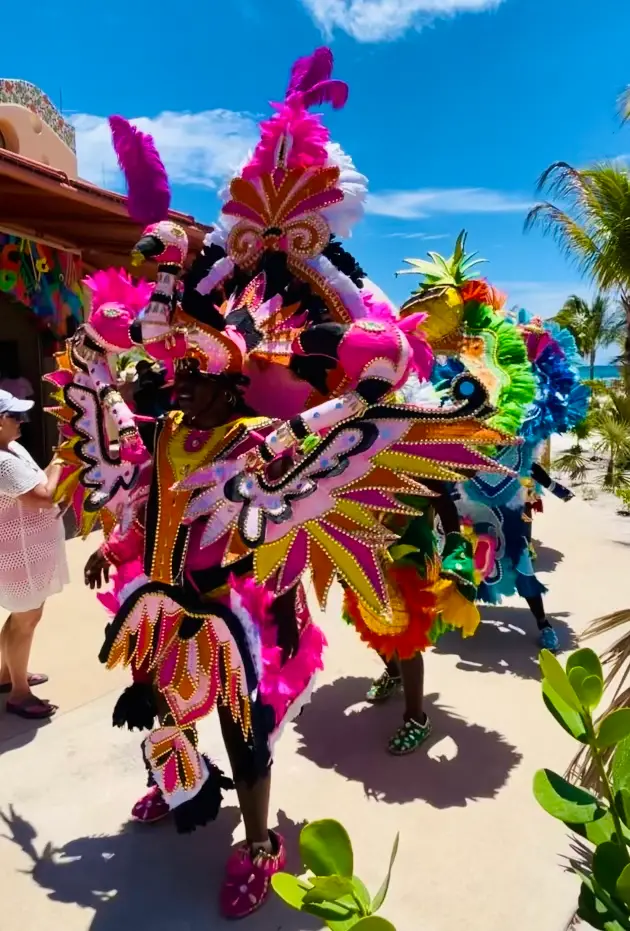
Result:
215,497
433,581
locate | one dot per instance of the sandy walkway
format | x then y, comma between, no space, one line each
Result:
476,852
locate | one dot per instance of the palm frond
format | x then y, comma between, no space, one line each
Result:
623,105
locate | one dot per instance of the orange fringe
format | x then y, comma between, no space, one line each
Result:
420,602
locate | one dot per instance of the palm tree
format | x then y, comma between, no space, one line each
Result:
594,326
592,227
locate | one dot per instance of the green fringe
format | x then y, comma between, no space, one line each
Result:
510,359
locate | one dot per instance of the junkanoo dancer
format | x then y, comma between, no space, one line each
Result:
276,463
433,580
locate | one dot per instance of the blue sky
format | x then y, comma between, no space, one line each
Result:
455,107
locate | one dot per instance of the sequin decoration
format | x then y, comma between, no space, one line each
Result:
281,211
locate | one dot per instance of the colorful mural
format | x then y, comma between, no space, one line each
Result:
46,280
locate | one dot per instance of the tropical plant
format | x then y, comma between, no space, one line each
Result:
594,326
592,227
440,272
330,891
612,439
603,822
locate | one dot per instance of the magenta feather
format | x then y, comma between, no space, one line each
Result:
311,70
148,190
332,92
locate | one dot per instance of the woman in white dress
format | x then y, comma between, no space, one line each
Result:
32,557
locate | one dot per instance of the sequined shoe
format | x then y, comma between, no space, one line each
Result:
410,737
383,688
548,640
151,807
247,880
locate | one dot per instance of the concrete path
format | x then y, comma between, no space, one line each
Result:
476,852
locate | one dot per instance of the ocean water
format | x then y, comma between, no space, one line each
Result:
602,372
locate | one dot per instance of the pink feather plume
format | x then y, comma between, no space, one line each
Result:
300,135
148,191
311,78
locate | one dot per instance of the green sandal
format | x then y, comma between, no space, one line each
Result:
383,688
409,737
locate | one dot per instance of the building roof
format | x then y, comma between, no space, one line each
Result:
40,202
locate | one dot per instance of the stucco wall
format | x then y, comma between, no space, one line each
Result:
33,127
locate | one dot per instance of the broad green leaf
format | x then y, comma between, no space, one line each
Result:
592,691
380,896
326,849
331,911
374,923
564,801
290,889
598,831
566,716
622,805
609,861
587,660
591,910
558,679
346,925
614,728
328,889
361,891
620,770
623,885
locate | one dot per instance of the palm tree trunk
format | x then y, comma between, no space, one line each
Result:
591,366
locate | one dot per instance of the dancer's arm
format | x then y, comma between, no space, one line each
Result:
542,478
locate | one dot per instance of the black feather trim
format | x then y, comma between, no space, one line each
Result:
136,708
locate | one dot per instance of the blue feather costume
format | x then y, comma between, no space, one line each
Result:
495,505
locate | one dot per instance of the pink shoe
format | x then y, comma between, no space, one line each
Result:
151,807
247,879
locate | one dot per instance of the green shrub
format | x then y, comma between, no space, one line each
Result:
330,891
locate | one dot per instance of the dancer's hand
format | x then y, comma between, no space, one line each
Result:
96,570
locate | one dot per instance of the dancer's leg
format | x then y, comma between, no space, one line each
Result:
417,726
387,684
249,870
548,638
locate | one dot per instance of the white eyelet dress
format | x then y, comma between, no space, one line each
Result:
32,541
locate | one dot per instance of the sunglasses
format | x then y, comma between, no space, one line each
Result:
16,417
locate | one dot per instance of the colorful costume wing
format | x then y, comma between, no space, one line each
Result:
197,651
322,513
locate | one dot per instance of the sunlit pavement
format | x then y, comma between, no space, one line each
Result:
476,852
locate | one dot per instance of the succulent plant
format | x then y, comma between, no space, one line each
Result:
330,891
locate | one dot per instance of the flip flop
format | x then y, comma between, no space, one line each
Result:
34,679
32,709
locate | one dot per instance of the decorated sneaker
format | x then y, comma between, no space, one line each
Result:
548,640
151,807
247,878
410,737
383,688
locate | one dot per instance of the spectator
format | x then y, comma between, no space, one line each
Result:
32,557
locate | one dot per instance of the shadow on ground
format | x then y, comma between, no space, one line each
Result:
506,642
148,876
547,558
15,732
471,763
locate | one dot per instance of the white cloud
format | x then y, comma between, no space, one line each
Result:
415,205
425,237
197,148
382,20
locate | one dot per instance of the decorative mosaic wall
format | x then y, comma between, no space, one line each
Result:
29,96
46,280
